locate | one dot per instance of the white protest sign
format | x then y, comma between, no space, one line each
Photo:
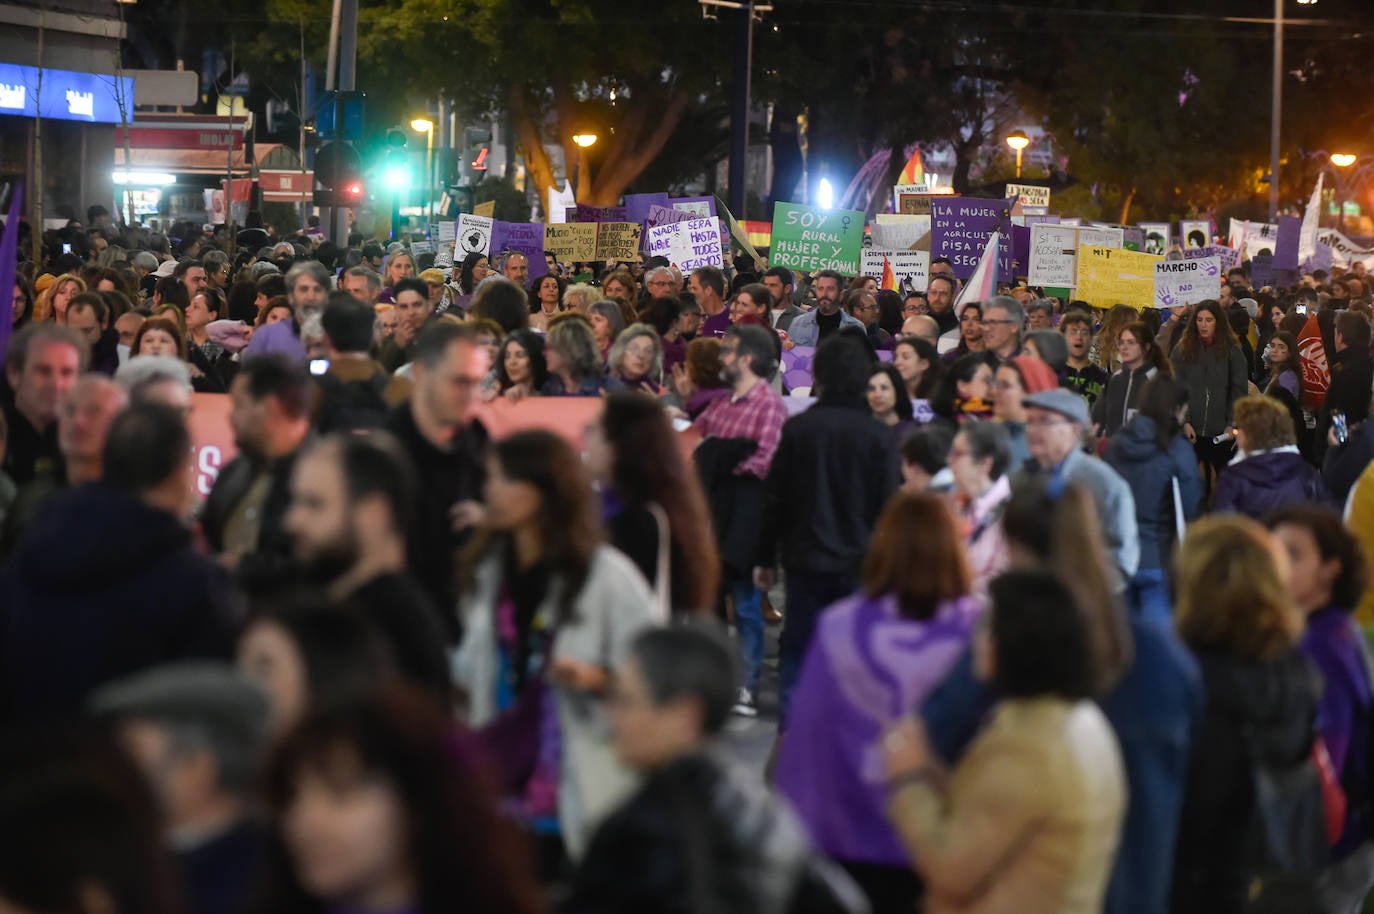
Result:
899,189
1030,194
898,232
1074,220
1186,282
1053,256
1100,237
688,245
1156,236
473,235
910,269
1345,252
1253,238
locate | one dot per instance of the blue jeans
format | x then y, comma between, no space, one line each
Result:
1149,596
749,627
807,594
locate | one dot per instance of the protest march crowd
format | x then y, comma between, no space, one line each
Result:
1068,593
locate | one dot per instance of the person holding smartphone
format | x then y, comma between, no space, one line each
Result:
1352,376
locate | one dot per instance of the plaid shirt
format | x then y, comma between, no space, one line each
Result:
759,415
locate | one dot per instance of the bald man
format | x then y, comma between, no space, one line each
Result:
83,422
922,326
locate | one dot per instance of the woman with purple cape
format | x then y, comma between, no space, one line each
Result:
874,658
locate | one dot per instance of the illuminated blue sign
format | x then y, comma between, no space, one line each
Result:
67,95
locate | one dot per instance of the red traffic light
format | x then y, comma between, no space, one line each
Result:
354,190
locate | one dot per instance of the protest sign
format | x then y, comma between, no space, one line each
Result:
1227,257
688,245
1186,282
1074,220
1344,252
587,213
960,228
1194,234
487,210
665,215
1053,256
1100,237
1110,276
421,247
637,205
1133,239
1262,271
571,241
1029,194
910,269
900,190
810,238
447,235
1156,236
448,232
898,232
914,204
618,241
473,235
524,237
1286,248
697,206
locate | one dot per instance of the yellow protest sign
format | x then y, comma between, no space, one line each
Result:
487,209
617,241
1114,276
571,241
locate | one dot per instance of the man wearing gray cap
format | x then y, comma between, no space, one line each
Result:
1055,422
198,731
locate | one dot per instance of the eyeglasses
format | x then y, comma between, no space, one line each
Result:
915,309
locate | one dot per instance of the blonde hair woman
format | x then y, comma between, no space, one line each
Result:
1235,612
52,302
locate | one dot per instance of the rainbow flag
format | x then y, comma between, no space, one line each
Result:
913,172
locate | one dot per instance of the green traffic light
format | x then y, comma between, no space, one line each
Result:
396,177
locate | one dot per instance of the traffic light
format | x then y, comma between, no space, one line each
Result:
338,175
476,150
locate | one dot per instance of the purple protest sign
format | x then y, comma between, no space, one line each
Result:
637,205
959,230
1286,249
1229,257
1262,270
1020,249
663,215
587,213
525,237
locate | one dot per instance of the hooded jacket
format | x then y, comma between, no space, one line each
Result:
102,586
1256,711
1135,455
1263,482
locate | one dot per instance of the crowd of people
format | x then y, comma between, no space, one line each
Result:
1066,597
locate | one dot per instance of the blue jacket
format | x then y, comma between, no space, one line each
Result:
1155,711
1135,455
804,332
1267,481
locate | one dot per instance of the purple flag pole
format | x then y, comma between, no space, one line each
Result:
9,252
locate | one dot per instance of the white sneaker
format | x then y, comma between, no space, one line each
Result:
745,705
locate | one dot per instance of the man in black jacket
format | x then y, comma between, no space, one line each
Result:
352,497
1352,376
834,471
107,582
272,397
449,450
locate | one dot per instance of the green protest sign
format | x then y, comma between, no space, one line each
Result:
810,238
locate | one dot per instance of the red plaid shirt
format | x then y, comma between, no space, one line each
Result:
759,415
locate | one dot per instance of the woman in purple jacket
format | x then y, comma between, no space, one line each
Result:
1326,580
1268,472
874,659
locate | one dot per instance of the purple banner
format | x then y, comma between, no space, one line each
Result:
637,205
1020,249
587,213
1262,270
959,230
525,237
1286,249
9,251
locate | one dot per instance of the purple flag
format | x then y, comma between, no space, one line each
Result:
9,252
1286,250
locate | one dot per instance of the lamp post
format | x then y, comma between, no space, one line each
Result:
1276,109
583,141
1018,140
426,126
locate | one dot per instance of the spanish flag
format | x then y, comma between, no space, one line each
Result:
913,172
889,280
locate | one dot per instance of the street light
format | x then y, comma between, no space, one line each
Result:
583,141
426,126
1342,159
1276,108
1018,140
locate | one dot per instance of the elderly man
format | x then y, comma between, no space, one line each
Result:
1055,422
1003,321
198,731
307,289
660,282
516,268
363,284
708,285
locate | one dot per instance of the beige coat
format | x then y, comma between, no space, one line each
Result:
1030,820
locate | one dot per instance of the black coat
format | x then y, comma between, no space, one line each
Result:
833,472
446,477
269,565
736,502
1352,376
1270,705
104,586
